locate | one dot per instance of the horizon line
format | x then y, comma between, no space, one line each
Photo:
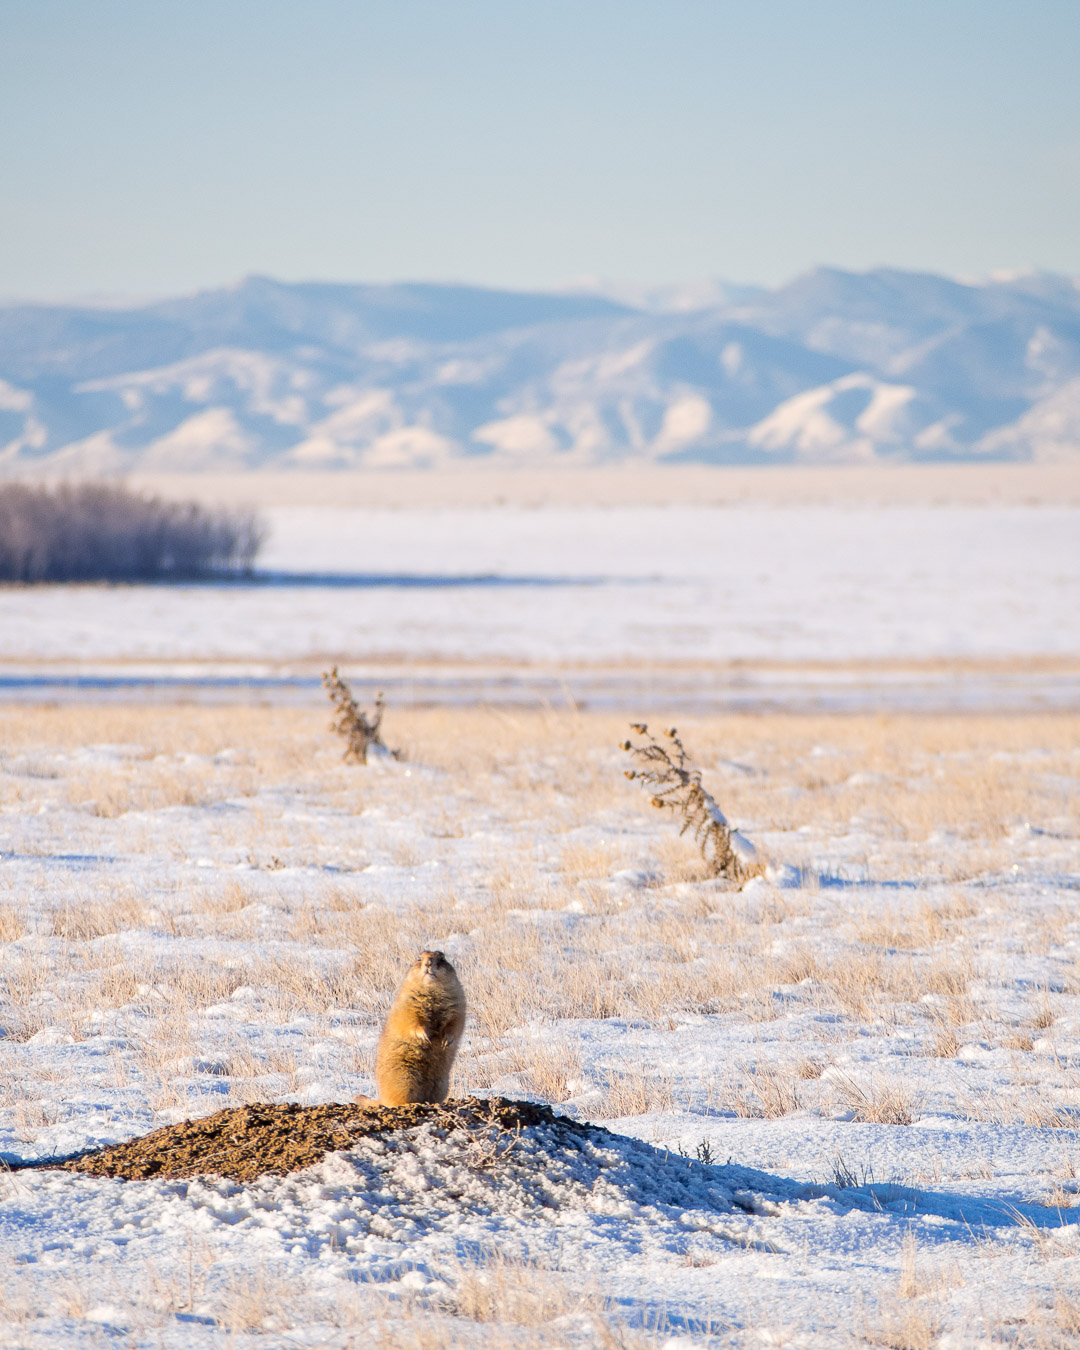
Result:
598,286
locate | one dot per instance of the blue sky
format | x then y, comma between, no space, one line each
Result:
155,147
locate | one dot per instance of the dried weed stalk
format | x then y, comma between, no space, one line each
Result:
359,731
674,783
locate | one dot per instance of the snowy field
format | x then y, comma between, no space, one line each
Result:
593,586
848,1093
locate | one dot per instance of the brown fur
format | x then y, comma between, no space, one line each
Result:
421,1035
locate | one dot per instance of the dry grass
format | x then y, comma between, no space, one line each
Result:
500,1289
505,839
1066,1316
909,1284
634,1092
552,1071
990,782
776,1091
908,1328
85,920
548,787
13,923
944,1045
913,929
878,1103
580,862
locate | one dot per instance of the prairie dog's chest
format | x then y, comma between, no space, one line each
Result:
432,1014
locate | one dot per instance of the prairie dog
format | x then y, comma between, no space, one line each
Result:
421,1035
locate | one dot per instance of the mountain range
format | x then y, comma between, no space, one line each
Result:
833,367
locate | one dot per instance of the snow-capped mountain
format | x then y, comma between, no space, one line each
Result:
833,367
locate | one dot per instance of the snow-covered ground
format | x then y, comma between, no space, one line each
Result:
595,585
847,1094
870,1058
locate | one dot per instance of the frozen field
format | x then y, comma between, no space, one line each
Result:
591,586
875,1049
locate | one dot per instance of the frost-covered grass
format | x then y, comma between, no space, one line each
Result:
202,907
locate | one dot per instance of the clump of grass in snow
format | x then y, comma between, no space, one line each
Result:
846,1177
521,1292
634,1092
777,1090
359,731
889,1104
673,783
945,1044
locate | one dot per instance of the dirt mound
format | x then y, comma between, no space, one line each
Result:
246,1142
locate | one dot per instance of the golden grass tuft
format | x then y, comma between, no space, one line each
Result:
14,923
944,1045
775,1089
521,1292
634,1092
878,1103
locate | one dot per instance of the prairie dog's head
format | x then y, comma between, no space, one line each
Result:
433,968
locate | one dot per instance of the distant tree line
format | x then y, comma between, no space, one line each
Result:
107,532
